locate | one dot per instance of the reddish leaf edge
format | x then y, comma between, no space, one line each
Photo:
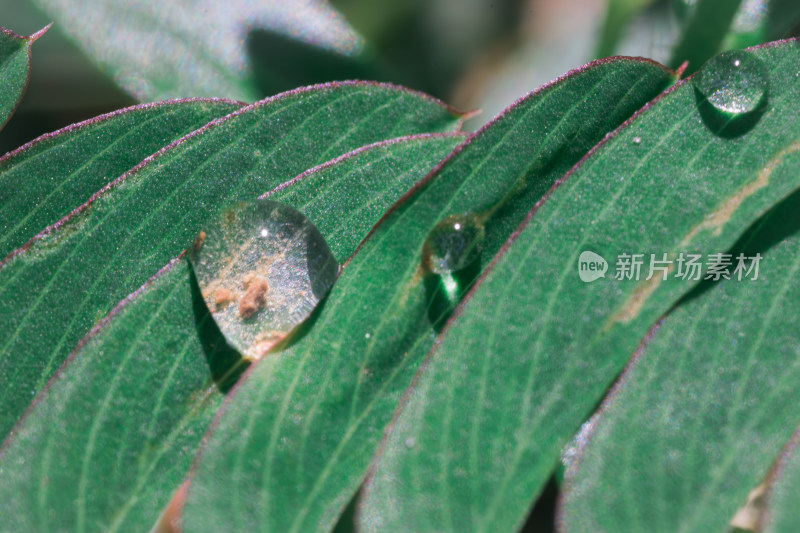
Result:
776,473
9,157
365,148
500,116
461,116
598,414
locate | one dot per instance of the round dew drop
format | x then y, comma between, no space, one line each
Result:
733,82
453,244
262,268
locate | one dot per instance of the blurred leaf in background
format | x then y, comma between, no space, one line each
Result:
64,87
472,53
433,44
161,50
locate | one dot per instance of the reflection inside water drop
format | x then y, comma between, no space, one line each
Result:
733,82
453,244
262,268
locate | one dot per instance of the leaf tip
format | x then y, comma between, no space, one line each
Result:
680,70
466,115
35,37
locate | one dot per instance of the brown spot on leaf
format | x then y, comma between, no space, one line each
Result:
714,221
640,295
720,216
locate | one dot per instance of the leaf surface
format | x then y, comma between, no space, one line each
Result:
54,289
110,439
700,416
292,445
47,178
534,348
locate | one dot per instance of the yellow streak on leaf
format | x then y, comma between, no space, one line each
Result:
715,221
640,295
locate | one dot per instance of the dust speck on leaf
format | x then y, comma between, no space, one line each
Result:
222,297
198,241
255,296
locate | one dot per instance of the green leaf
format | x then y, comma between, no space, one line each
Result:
294,441
72,274
702,413
704,32
15,68
180,49
47,178
535,348
114,432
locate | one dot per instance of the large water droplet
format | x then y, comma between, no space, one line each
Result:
453,244
262,268
733,82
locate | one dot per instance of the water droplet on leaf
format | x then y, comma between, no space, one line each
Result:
453,244
733,82
262,268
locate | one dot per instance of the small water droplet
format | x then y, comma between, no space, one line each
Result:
733,82
453,244
262,268
410,442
